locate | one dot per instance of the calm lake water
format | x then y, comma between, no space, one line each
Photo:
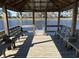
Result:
13,23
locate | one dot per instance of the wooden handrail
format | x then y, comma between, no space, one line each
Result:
16,29
12,31
54,25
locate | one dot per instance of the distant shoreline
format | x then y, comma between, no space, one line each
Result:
39,18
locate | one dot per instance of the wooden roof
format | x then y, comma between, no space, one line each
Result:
38,5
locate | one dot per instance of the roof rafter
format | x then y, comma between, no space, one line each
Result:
64,2
57,6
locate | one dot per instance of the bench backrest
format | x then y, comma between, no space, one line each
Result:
13,32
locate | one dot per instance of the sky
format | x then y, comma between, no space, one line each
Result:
13,13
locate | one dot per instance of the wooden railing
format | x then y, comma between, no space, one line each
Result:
8,42
68,30
53,26
12,32
69,41
15,30
63,27
2,33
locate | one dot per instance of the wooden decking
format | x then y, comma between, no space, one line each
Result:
39,47
43,46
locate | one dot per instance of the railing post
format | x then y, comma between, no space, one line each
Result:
33,17
74,20
58,20
34,21
45,21
6,24
21,19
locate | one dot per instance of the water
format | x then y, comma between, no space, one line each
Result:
13,23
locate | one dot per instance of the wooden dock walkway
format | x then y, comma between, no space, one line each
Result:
40,46
43,47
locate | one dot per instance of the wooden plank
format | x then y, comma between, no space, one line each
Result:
55,4
43,47
54,25
64,2
69,6
51,31
29,26
5,16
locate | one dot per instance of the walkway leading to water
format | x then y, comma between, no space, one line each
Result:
39,46
43,46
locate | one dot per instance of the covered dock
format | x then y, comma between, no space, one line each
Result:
18,43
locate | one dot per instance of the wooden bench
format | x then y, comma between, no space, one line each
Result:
7,43
4,45
3,48
16,35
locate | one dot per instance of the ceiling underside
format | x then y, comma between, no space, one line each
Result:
38,5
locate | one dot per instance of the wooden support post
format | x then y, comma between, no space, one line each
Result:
21,22
74,20
45,21
34,22
6,24
58,20
33,17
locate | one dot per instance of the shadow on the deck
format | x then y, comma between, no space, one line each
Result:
23,51
65,53
40,42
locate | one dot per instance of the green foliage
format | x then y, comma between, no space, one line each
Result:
0,17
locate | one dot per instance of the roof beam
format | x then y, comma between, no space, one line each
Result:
40,4
47,4
70,6
10,1
64,2
20,3
53,2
